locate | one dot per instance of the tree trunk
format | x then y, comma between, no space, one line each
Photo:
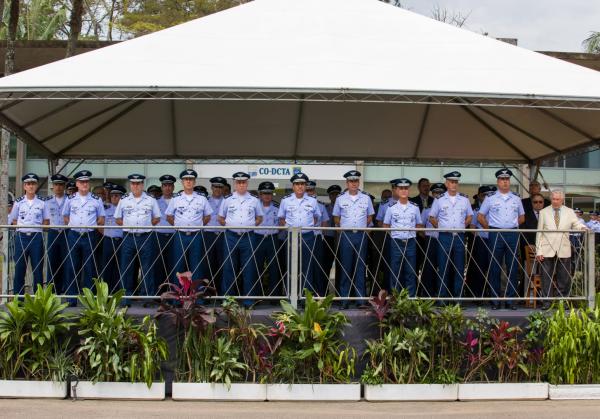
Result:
75,26
9,68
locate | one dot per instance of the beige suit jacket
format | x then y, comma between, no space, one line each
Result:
552,244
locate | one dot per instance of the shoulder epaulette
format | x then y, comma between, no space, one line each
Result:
275,204
94,196
516,194
126,195
287,196
20,199
71,196
227,196
176,194
411,202
462,194
107,206
45,198
254,195
322,203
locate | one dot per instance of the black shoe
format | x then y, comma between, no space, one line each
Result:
495,307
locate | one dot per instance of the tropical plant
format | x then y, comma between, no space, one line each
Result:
592,43
113,347
226,368
33,336
308,346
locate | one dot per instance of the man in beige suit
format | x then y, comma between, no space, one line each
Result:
553,250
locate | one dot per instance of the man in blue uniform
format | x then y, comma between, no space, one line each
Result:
189,208
403,249
214,238
353,209
451,210
329,245
430,279
165,237
58,249
81,210
113,239
503,210
268,243
138,209
320,273
29,213
300,210
240,209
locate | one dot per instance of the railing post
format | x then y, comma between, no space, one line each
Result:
591,268
5,261
294,262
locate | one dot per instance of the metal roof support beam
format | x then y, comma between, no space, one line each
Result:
24,135
299,121
50,113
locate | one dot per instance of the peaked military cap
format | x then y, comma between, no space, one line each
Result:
266,187
401,182
438,187
71,185
455,175
136,178
503,173
30,177
188,174
578,210
153,188
299,178
117,189
58,178
352,175
311,184
83,175
218,181
108,185
491,190
240,176
167,179
334,188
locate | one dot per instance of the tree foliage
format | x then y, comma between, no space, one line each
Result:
592,43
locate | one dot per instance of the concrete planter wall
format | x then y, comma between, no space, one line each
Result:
33,389
117,391
411,392
503,391
314,392
215,391
575,392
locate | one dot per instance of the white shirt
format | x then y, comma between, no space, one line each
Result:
29,213
451,215
403,216
163,204
269,219
299,212
83,211
137,212
353,210
240,210
189,210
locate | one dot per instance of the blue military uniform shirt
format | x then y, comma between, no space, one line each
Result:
215,204
477,224
269,219
83,211
329,209
451,212
240,210
299,212
189,210
137,212
109,211
502,210
29,213
55,206
163,204
324,220
383,207
401,215
427,223
353,210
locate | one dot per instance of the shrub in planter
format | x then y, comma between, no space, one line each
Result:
572,345
418,344
308,346
34,338
205,354
113,348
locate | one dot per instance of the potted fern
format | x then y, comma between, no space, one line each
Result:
116,357
34,347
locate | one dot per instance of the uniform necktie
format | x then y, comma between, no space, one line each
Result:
556,216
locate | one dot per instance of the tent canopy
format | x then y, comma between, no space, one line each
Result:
307,79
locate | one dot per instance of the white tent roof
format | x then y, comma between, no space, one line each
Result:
300,79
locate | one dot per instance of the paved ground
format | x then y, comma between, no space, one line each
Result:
242,410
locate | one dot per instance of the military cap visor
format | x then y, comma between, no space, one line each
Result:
437,187
59,179
167,179
83,175
503,173
401,182
217,181
30,178
453,176
240,176
334,189
352,175
136,178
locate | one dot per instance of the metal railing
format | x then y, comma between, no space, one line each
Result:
470,265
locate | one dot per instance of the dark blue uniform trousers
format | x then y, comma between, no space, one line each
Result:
504,248
165,266
430,279
353,257
188,251
138,246
58,251
28,246
111,271
240,261
403,255
268,262
81,261
214,244
451,263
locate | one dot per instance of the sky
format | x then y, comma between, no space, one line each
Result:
541,25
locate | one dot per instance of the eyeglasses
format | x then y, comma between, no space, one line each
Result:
538,202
